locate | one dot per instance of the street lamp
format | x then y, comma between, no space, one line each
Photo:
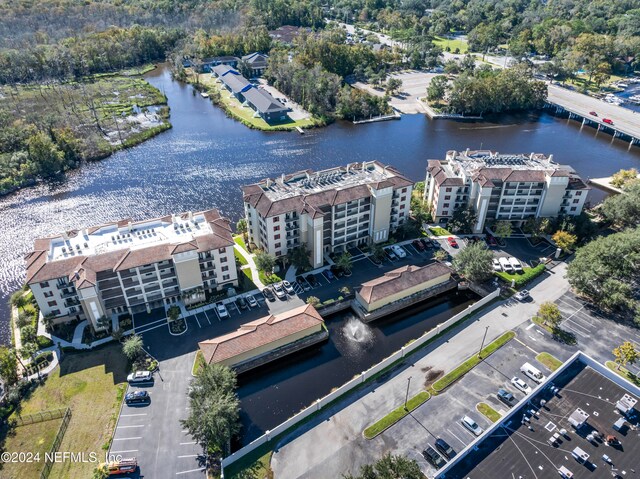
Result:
406,397
482,344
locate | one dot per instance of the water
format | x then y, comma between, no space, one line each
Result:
275,392
205,158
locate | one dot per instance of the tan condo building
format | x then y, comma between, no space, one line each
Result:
129,266
502,187
328,211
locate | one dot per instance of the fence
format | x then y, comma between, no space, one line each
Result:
356,381
40,417
48,463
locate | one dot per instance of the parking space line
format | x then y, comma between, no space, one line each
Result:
187,443
192,470
526,346
207,318
578,325
465,430
196,318
189,455
137,425
574,330
123,452
464,444
131,415
233,303
126,438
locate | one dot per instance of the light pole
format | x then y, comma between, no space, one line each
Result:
482,344
406,397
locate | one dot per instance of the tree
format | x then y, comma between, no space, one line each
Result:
8,366
103,322
475,262
214,411
565,241
550,314
537,227
313,301
462,220
133,347
265,262
625,354
173,313
437,88
440,255
623,210
393,85
19,300
28,334
389,467
503,229
623,177
45,155
344,261
377,251
419,211
241,226
299,257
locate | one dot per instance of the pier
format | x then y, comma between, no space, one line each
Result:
626,123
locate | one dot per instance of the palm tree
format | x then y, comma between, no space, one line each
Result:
344,262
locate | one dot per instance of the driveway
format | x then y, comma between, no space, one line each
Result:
407,100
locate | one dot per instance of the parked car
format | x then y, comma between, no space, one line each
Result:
471,425
328,274
506,265
418,245
399,251
431,455
445,449
435,243
515,264
267,292
251,301
593,113
496,265
452,242
222,310
337,271
608,121
506,397
520,385
303,283
532,373
390,254
311,278
241,303
287,287
137,397
279,291
140,377
522,295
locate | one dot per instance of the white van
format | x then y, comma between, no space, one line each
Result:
506,266
532,373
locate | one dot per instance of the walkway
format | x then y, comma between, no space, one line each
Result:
51,366
336,445
252,265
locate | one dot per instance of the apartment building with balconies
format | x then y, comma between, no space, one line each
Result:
502,187
328,211
128,266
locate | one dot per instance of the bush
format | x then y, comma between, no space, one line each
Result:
43,342
524,278
28,334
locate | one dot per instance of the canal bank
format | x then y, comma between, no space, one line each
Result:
203,160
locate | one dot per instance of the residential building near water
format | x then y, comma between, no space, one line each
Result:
327,211
502,187
128,266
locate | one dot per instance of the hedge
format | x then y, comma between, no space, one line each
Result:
523,278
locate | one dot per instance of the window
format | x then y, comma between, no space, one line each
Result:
445,212
276,236
401,214
573,208
276,219
448,197
403,198
221,251
277,245
223,259
44,284
52,303
448,190
576,201
578,193
225,277
225,268
55,312
445,205
276,228
404,190
48,294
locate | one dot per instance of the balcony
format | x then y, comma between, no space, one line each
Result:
292,226
110,283
71,302
168,284
67,293
63,284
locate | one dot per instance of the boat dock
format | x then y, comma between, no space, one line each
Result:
625,123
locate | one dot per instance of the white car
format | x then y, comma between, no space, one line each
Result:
471,425
522,295
277,288
222,310
496,265
287,287
140,377
251,301
506,266
515,264
520,385
399,251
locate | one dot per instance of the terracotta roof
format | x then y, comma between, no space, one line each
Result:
399,280
527,176
260,333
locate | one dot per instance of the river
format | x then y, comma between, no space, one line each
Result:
205,158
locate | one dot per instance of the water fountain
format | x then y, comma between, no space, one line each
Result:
356,330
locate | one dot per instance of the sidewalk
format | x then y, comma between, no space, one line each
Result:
252,265
336,444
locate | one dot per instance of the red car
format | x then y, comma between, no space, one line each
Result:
452,242
608,121
593,113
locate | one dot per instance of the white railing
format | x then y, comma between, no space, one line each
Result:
356,381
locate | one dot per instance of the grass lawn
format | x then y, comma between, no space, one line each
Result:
472,362
488,411
34,438
395,415
198,362
452,44
92,385
272,278
437,231
625,373
521,279
239,240
241,259
549,361
559,334
246,114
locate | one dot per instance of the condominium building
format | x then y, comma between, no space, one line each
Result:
128,266
328,211
502,187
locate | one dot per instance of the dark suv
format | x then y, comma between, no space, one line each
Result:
506,397
431,455
137,397
444,447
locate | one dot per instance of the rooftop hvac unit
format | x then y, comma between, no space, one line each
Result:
580,455
578,418
626,403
